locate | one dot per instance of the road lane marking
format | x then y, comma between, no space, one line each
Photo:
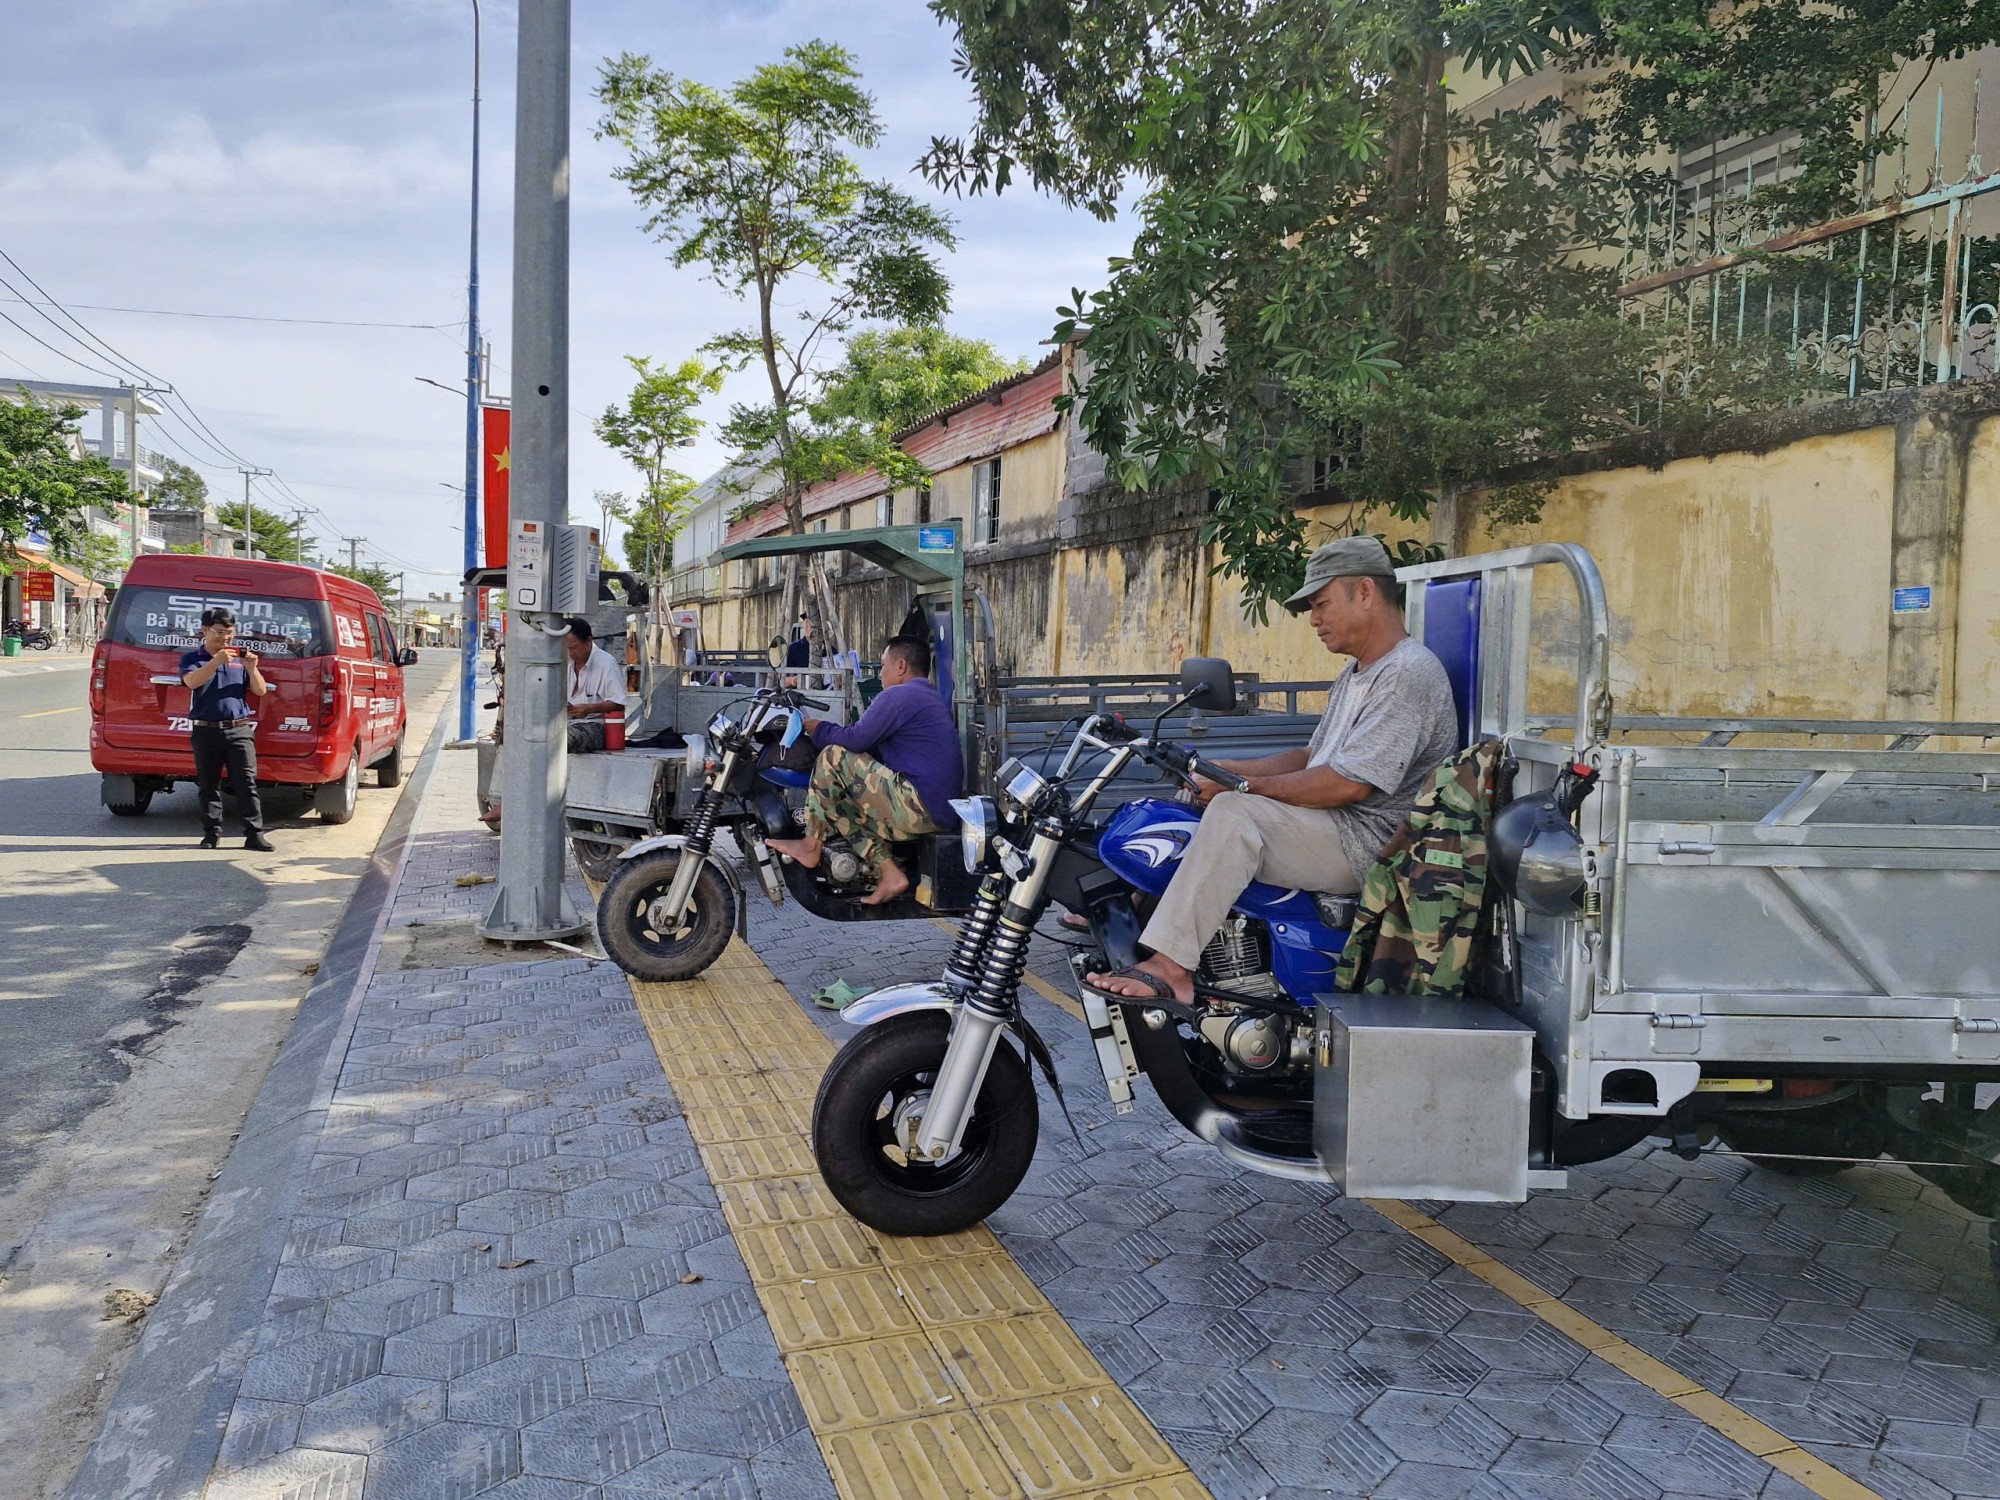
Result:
74,708
1734,1423
925,1366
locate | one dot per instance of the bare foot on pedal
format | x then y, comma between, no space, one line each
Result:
805,851
890,883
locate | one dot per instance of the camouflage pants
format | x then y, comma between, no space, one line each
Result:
855,797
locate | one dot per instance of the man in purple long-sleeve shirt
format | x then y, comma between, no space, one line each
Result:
890,776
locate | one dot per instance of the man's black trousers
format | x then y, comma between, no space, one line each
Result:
235,747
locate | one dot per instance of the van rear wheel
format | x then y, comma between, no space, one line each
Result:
335,801
136,808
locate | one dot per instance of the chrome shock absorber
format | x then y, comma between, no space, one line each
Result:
695,845
961,971
985,1008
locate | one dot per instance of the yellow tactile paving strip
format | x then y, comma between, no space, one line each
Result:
1734,1423
926,1367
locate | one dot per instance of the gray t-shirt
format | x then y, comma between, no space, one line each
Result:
1390,726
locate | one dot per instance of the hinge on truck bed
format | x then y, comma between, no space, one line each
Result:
1679,1023
1976,1031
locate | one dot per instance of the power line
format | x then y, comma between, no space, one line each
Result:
165,312
59,354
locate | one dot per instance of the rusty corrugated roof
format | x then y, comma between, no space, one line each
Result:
1004,415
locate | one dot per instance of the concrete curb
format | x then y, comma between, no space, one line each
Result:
164,1426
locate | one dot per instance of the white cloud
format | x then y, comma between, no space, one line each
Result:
188,176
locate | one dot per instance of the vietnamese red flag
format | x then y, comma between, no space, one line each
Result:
497,468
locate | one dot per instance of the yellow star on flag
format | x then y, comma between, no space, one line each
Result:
504,459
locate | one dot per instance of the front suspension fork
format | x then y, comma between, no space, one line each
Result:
981,1015
672,907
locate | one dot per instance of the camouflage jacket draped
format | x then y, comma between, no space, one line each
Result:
1420,903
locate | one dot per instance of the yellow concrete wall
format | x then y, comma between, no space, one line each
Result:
1976,682
1741,584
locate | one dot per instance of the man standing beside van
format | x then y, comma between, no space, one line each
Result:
223,680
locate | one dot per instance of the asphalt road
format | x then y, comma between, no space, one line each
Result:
95,951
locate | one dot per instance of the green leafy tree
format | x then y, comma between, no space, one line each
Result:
1336,272
181,487
44,485
758,185
270,533
657,417
379,579
892,378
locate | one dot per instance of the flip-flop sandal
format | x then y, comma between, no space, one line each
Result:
1074,922
1157,988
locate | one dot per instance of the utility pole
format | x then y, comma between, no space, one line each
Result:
531,905
299,536
353,547
248,475
469,602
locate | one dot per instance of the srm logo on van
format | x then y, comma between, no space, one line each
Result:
244,608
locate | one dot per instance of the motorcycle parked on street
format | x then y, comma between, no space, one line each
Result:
672,901
32,637
926,1122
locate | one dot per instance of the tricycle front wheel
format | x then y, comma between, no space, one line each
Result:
640,942
877,1082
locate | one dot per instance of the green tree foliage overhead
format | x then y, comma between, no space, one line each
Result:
44,485
1684,73
1336,271
369,576
657,417
892,378
270,533
758,185
181,487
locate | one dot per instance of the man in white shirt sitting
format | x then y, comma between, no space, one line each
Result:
596,688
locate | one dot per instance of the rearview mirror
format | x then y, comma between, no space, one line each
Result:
1210,683
407,657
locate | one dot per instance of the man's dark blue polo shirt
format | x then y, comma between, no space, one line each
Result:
227,695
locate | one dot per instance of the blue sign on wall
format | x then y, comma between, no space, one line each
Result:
1911,601
936,538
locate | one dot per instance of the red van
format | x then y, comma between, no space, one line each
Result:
334,668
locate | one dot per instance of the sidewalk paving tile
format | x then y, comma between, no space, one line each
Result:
510,1277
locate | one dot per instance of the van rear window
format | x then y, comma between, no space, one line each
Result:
170,620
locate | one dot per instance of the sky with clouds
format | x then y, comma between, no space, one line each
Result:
310,159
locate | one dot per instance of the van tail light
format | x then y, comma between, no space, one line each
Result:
329,691
97,667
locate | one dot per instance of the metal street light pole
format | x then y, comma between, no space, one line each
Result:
468,606
531,903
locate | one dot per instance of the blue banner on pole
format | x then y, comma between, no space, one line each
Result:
936,538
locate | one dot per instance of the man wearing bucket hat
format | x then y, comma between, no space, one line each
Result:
1313,818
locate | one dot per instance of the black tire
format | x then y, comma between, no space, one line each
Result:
1993,1247
598,862
853,1136
42,643
136,808
335,802
1843,1129
625,931
389,769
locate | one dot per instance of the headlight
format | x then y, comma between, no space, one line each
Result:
1021,785
719,726
977,818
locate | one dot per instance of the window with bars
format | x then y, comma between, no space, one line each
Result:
986,501
923,505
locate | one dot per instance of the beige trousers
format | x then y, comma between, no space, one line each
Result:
1244,838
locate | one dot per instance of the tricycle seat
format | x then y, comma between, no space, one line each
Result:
779,776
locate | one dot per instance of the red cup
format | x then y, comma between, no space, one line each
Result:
614,732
